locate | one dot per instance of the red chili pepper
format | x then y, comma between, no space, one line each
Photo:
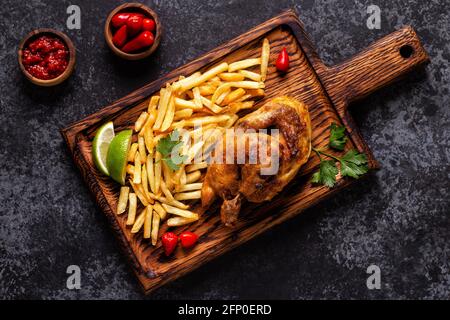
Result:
143,40
148,24
121,18
188,239
134,24
169,241
283,61
120,37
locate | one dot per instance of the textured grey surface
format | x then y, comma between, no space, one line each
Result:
398,219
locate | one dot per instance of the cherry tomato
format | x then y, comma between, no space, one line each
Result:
188,239
282,63
169,241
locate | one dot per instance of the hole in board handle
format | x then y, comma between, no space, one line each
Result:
406,51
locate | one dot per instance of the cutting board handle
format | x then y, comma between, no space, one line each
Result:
381,63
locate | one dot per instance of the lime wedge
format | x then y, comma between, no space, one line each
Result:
116,160
100,146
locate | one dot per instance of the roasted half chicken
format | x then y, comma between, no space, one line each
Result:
237,181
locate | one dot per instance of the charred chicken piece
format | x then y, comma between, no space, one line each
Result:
240,180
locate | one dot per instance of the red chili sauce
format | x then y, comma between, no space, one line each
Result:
45,57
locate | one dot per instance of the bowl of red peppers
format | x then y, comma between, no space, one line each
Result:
133,31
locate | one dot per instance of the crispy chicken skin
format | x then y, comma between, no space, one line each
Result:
235,183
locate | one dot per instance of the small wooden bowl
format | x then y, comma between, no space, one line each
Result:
70,66
133,7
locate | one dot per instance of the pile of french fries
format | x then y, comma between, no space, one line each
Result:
211,100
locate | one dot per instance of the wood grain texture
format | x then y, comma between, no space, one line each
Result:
323,89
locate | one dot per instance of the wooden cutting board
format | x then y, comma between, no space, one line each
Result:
326,90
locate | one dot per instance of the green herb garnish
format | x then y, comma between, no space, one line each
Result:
169,147
337,137
353,164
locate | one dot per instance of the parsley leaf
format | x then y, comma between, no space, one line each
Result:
326,174
166,144
337,137
169,148
353,164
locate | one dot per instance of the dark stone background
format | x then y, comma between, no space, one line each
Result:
398,219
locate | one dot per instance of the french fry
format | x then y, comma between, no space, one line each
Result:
149,140
176,175
233,96
151,173
185,104
251,75
149,122
139,221
180,212
199,132
130,169
265,54
177,85
231,76
167,172
139,191
137,168
144,178
166,191
183,178
230,122
248,84
235,107
148,222
179,221
189,187
123,200
207,89
194,150
187,83
215,81
142,149
155,228
160,210
196,166
238,84
162,107
256,92
188,195
211,106
174,203
243,64
168,119
157,172
197,97
153,103
220,92
221,97
131,209
201,121
183,113
193,177
244,97
140,121
132,152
